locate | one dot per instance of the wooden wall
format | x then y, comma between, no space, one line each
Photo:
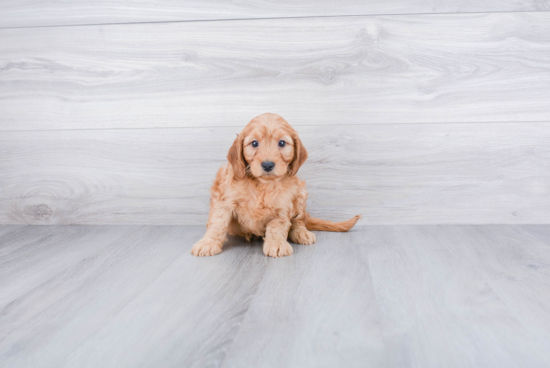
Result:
412,111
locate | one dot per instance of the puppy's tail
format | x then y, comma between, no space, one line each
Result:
324,225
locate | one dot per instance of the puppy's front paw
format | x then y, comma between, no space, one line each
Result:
277,248
206,247
301,235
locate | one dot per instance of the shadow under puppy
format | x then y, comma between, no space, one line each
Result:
257,192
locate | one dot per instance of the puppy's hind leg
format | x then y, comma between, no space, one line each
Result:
216,232
300,235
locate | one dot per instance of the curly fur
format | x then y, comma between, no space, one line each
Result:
247,201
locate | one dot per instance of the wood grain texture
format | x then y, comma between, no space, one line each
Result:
315,309
442,303
516,264
142,281
403,173
539,231
313,71
379,296
47,251
53,13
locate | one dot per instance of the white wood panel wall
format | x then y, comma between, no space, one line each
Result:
439,118
410,173
32,13
312,71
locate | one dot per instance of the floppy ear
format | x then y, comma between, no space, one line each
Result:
300,155
235,157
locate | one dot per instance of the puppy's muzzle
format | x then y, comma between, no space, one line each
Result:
268,166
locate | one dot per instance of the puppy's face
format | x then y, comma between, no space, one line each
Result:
267,148
268,152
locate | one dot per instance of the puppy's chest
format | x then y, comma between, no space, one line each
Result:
261,207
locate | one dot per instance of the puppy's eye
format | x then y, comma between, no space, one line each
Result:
282,143
255,144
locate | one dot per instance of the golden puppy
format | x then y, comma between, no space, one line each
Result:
258,194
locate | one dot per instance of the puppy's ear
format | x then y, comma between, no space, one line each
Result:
300,155
235,157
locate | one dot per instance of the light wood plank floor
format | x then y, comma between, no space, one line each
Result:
379,296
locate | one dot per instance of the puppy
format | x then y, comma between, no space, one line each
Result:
257,192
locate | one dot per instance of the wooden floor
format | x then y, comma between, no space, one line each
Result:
379,296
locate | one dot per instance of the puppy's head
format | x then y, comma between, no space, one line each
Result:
267,148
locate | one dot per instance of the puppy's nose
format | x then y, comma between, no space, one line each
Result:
268,165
